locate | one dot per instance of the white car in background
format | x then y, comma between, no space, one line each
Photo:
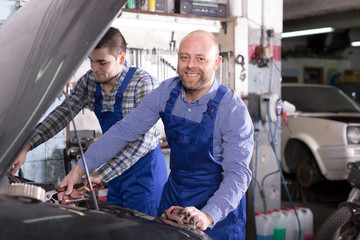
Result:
322,135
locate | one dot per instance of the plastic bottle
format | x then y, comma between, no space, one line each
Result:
130,4
279,225
144,5
151,5
264,226
308,223
298,232
290,224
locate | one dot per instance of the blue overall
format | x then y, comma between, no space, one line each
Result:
195,174
139,187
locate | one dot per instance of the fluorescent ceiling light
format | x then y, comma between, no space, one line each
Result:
161,22
307,32
355,44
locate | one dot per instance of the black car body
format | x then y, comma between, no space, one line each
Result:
42,44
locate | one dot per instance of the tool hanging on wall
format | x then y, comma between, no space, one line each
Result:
226,70
241,60
172,42
158,62
227,76
161,63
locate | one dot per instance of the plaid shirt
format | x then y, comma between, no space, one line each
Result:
82,95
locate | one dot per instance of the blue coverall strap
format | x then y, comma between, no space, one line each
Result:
174,94
124,85
98,97
213,104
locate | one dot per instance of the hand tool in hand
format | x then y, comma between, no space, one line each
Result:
50,195
178,218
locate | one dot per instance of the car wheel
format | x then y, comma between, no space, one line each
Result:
308,173
295,153
301,162
304,174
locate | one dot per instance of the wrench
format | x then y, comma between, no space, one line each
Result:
50,195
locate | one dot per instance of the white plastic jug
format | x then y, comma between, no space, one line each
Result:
279,225
308,223
290,223
298,232
264,226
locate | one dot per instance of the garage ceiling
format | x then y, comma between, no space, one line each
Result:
306,14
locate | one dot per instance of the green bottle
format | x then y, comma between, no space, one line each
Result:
130,4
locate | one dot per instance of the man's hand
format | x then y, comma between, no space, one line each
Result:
74,177
203,219
20,160
95,179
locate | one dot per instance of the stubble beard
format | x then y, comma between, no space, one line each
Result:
200,84
107,79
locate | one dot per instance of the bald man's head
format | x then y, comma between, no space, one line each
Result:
204,36
198,59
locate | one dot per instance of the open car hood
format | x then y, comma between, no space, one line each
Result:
42,44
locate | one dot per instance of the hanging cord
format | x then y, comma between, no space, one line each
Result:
92,193
279,166
261,189
271,139
257,130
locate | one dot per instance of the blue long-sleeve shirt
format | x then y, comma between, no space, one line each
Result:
232,143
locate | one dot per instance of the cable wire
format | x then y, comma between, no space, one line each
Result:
280,170
92,192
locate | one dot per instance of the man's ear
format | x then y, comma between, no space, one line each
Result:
122,58
217,62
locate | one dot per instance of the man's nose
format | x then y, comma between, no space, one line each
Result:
94,66
191,63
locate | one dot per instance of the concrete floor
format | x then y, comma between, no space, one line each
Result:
323,199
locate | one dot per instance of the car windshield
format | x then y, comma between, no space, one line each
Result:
319,99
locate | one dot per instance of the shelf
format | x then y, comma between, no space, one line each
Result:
177,15
169,21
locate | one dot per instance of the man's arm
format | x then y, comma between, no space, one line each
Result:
140,86
236,134
20,159
60,117
127,130
128,156
54,122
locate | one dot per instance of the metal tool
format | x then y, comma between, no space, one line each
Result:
75,200
92,193
240,60
176,216
172,42
50,195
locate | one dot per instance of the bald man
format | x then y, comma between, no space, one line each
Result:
210,133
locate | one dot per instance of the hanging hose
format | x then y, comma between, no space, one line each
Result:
92,192
279,165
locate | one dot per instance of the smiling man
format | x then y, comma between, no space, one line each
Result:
136,173
210,133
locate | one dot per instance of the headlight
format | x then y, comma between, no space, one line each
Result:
353,135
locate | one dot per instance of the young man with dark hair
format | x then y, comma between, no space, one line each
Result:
137,172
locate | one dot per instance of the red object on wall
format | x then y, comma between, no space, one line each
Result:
255,54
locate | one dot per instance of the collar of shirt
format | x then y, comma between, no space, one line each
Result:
205,98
